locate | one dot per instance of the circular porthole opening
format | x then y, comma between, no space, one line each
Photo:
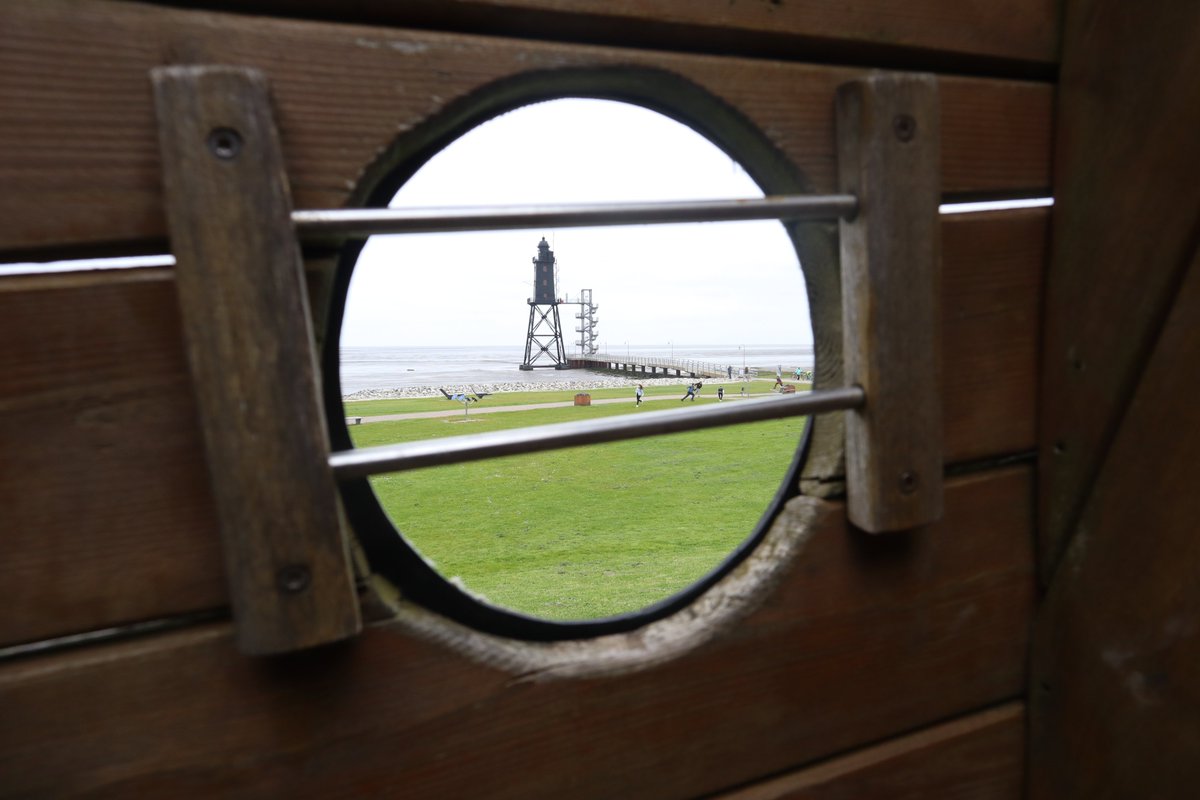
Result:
454,334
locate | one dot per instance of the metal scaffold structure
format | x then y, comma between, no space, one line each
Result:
588,323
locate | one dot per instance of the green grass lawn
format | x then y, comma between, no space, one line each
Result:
586,532
367,408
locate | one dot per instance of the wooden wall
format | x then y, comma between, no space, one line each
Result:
862,666
1116,673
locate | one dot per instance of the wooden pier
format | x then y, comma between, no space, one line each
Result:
656,365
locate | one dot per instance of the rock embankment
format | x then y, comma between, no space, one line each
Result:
599,382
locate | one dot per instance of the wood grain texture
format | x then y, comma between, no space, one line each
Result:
80,165
991,290
119,490
979,756
1023,30
842,652
888,157
107,513
249,340
1115,689
1125,224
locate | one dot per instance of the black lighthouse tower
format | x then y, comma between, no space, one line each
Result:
544,341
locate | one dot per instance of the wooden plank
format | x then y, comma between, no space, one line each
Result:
873,30
991,291
888,157
80,165
103,485
249,342
1115,689
107,512
1124,227
861,638
980,756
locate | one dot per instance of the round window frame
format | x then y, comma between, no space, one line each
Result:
819,455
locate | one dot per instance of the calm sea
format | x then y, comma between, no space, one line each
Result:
403,367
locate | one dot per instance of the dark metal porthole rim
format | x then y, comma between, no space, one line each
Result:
388,554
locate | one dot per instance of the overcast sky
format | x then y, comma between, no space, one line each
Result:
714,283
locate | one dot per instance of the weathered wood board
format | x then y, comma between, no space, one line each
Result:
104,484
249,338
841,652
1115,689
891,263
877,31
990,330
79,159
978,756
108,515
1127,199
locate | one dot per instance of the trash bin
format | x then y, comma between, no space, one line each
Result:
583,399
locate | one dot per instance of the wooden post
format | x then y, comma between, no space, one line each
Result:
889,157
250,348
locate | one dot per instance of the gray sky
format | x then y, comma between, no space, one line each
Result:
707,283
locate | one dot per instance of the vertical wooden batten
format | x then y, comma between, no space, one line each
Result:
249,341
889,151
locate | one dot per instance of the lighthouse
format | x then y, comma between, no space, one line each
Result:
543,338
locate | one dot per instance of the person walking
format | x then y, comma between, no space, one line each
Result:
720,393
638,394
729,371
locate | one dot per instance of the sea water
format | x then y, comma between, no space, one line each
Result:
386,368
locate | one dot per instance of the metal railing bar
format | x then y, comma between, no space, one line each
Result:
370,221
360,463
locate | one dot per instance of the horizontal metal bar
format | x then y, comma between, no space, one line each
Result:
369,221
457,449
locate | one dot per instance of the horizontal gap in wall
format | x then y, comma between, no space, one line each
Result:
981,206
954,469
955,206
988,463
997,195
116,633
86,265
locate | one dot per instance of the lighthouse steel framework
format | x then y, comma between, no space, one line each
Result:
544,341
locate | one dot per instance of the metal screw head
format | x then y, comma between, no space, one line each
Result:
905,127
225,143
293,579
908,482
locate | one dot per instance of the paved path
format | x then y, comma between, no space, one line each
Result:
476,408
